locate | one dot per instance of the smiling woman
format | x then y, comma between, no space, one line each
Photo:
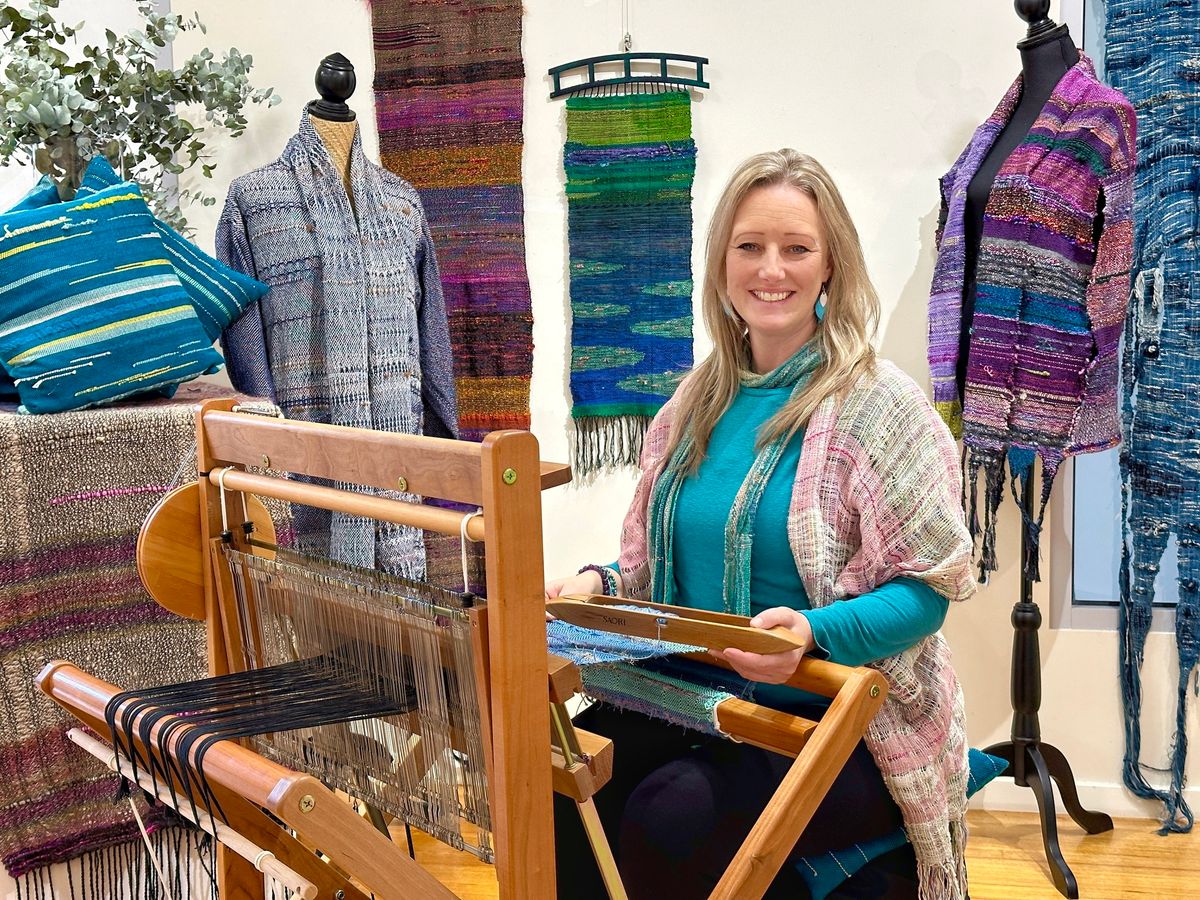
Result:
796,479
776,267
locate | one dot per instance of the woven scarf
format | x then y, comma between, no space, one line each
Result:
739,527
629,162
449,82
1153,56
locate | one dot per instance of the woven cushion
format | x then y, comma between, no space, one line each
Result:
218,292
41,194
91,309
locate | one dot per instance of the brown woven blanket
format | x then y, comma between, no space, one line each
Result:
74,489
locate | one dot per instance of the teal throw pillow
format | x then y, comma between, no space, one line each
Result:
90,308
218,292
41,194
824,873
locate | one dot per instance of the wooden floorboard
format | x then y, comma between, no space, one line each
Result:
1005,861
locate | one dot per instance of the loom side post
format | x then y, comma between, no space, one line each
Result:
210,519
803,787
522,810
236,878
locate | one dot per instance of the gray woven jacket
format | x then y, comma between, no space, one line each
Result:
353,331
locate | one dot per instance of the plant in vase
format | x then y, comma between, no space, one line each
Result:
59,109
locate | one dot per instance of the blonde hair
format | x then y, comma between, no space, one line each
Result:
851,309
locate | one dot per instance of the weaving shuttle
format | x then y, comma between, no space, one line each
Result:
670,623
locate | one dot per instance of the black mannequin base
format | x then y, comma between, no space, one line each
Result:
1031,762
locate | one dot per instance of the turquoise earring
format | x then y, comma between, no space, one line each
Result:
819,309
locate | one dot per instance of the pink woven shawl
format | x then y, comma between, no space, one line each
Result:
877,495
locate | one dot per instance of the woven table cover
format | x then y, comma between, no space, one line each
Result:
75,488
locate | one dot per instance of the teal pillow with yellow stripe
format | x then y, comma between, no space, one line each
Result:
218,292
91,309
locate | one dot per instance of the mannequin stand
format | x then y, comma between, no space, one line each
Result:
1033,763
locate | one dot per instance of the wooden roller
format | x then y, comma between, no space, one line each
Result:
171,556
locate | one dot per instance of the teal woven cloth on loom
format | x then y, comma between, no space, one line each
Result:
629,161
677,691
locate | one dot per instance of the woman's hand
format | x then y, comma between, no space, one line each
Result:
588,582
771,668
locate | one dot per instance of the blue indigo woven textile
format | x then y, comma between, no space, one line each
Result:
1153,56
630,161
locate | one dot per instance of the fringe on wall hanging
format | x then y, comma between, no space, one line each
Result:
449,82
630,161
1153,56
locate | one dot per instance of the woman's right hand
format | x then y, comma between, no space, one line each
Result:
588,582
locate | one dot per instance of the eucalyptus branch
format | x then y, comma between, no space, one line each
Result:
113,99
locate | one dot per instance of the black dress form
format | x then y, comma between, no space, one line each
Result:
1046,56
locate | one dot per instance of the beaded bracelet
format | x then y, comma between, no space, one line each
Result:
608,578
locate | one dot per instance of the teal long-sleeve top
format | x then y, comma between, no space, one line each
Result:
885,621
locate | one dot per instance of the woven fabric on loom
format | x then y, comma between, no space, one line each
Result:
75,488
634,673
1153,56
449,82
629,161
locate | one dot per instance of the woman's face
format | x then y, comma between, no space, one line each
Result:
775,265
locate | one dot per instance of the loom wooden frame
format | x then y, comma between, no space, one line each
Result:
504,477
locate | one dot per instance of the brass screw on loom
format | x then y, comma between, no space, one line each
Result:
510,476
307,803
266,461
402,483
874,690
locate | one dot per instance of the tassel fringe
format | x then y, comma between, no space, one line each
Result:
125,870
606,442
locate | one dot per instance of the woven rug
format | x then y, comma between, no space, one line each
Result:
1153,57
449,80
629,160
75,488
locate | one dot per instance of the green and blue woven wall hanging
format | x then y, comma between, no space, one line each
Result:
630,161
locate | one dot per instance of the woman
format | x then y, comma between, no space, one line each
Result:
795,478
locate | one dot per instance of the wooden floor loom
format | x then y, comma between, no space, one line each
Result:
529,745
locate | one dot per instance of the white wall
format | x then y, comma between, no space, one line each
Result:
886,95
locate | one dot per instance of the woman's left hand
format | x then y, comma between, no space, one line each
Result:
771,668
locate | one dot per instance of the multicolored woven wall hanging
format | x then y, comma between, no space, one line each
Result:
630,160
448,96
1153,56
